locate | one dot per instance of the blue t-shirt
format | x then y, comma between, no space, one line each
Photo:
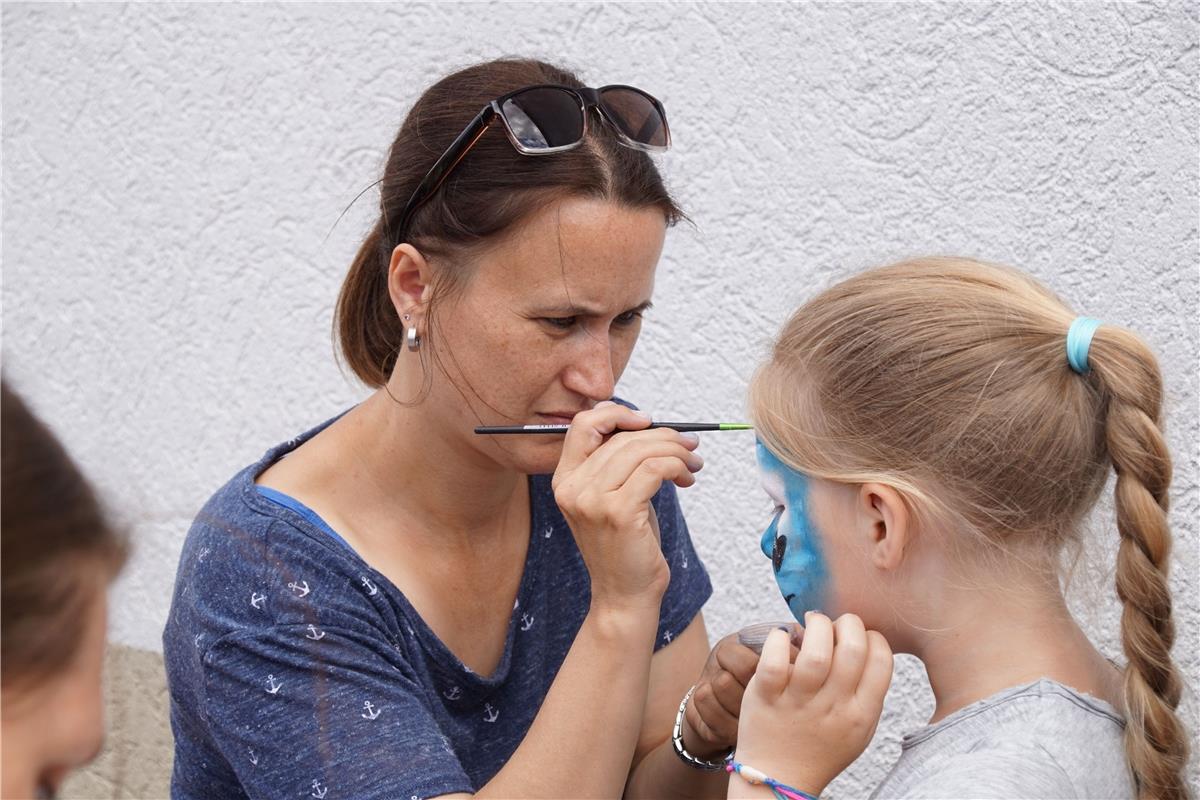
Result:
295,670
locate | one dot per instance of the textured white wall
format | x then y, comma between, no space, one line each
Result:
170,173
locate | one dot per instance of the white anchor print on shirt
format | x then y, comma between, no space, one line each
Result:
667,637
491,714
257,599
370,712
314,634
253,756
549,532
370,587
319,791
273,685
300,588
203,554
453,694
197,638
526,622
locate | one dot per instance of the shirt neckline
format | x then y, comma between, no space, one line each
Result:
443,657
1037,688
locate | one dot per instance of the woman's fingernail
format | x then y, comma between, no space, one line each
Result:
785,629
696,462
689,436
641,413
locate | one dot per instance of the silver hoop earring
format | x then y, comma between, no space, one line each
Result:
414,341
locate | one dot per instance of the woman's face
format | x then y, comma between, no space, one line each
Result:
545,325
56,724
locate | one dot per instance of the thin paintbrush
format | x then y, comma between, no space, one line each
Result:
678,426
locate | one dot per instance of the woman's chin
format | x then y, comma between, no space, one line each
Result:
532,458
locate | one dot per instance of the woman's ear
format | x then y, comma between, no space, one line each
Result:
888,523
408,280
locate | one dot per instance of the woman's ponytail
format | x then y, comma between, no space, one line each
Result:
366,323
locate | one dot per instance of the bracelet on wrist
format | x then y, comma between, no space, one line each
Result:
751,775
677,742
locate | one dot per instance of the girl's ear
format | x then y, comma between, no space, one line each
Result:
888,523
409,278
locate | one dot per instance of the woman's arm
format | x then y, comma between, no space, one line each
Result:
583,739
658,772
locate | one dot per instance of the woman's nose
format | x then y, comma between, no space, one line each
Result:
591,374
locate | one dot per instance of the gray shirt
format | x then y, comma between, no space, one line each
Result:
1040,740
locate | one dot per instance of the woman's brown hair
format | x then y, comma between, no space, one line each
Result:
57,549
494,188
948,379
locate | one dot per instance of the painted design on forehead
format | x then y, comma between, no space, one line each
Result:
791,540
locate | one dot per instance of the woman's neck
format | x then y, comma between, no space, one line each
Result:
984,640
403,461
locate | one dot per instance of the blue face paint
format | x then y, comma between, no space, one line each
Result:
791,540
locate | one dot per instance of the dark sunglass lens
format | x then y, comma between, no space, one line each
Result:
542,118
636,114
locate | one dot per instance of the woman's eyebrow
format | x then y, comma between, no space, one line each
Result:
584,310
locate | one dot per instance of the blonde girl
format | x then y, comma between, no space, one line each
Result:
934,434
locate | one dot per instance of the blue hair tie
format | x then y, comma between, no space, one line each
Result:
1079,339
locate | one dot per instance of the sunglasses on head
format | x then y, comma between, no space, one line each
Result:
548,118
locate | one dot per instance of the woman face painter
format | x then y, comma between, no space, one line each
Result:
391,605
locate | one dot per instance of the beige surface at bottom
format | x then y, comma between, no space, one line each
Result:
136,760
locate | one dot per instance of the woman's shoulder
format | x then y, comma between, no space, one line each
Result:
248,561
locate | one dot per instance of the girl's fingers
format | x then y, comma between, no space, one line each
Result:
816,653
877,674
588,429
849,655
771,677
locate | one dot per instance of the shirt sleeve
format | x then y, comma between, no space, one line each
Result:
302,712
690,586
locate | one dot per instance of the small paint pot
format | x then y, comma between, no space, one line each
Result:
753,636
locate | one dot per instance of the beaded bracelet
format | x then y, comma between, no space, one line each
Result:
751,775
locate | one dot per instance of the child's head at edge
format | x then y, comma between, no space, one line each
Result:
935,395
59,555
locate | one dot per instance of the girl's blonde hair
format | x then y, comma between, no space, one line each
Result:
948,379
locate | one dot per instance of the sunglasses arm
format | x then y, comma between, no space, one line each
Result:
455,153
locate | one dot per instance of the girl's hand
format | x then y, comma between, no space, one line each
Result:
603,487
804,723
